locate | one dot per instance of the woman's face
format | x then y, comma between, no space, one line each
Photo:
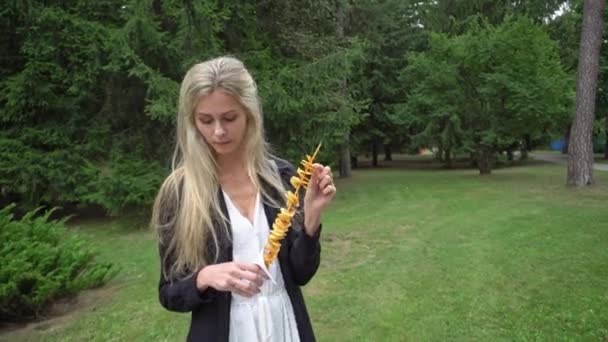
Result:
222,122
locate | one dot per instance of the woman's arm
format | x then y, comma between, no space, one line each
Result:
175,293
304,250
181,295
304,255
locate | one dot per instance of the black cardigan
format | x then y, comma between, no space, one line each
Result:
299,258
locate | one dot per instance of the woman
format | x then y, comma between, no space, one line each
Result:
214,211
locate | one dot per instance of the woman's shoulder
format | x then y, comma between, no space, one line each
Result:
284,167
282,164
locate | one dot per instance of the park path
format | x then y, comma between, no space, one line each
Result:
562,159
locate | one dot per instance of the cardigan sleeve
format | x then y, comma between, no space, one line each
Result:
180,294
177,293
305,256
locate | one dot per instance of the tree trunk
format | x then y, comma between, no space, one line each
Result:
525,148
448,158
524,154
345,167
566,140
388,153
484,161
473,158
439,154
606,133
580,156
374,152
509,154
354,162
345,162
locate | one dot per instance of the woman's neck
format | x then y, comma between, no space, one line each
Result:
231,167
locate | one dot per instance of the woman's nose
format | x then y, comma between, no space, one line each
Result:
219,129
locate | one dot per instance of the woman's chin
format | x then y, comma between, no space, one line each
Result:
225,149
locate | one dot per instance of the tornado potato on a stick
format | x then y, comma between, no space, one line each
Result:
284,217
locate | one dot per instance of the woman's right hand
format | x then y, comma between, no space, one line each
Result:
241,278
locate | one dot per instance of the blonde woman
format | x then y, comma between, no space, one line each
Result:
214,212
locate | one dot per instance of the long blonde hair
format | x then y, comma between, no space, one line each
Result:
187,204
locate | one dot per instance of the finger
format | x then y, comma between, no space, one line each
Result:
316,170
241,292
250,272
317,167
239,287
325,181
255,268
322,171
329,190
247,287
251,267
232,287
238,272
327,171
253,277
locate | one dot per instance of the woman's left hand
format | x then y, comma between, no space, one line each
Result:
320,192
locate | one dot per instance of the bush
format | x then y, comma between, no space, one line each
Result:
124,182
35,176
40,261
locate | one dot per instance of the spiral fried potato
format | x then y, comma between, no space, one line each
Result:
283,220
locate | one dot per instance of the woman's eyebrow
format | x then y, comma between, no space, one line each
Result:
222,114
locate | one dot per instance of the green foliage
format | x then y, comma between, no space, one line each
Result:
390,29
292,94
455,17
51,172
488,89
566,31
89,89
123,182
89,105
41,261
37,175
60,69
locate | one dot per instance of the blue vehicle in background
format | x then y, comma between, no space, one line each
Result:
558,145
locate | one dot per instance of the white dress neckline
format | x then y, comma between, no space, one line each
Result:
229,202
267,316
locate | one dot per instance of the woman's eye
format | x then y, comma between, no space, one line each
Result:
206,122
230,118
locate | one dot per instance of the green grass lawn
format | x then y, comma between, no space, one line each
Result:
407,255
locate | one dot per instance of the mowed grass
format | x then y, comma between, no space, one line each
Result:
407,256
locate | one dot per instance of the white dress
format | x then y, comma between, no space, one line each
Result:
267,316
